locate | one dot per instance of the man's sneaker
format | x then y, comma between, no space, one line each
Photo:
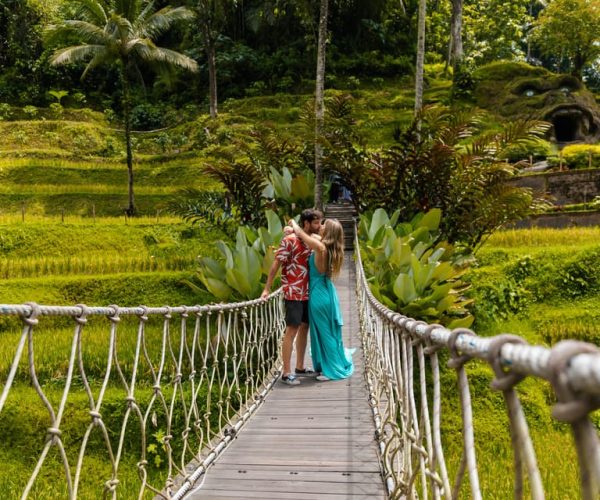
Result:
290,379
322,378
306,372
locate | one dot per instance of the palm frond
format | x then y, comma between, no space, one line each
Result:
121,28
75,54
160,22
92,11
82,30
102,57
150,53
128,8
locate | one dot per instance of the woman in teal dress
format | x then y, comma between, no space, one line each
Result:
329,356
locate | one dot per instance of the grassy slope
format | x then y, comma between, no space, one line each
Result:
528,283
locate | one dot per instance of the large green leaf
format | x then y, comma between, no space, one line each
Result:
212,268
274,224
465,322
404,288
218,288
401,254
281,183
226,252
379,219
431,220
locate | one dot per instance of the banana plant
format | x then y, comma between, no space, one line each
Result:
241,270
409,272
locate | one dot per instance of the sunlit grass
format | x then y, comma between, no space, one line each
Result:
83,189
30,267
544,237
142,220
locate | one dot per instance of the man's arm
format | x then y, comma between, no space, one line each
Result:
272,272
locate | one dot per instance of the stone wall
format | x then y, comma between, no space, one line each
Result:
575,186
560,220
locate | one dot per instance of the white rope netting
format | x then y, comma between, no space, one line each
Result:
403,374
168,390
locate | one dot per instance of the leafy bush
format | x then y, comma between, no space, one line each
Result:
30,111
579,156
463,81
441,160
5,111
498,298
242,269
147,117
409,271
537,149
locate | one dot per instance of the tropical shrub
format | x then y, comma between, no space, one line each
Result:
537,149
410,271
241,271
442,160
579,156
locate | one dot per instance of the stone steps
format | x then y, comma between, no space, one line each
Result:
345,213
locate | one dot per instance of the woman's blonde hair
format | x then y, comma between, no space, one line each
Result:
333,239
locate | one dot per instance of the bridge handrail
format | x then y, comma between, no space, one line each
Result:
409,434
224,364
582,372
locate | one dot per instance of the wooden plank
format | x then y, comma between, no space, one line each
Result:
311,441
297,486
243,495
310,475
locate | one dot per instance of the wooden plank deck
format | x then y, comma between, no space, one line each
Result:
311,441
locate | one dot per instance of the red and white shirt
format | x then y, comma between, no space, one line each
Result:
293,255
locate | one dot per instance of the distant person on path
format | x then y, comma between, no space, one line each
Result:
329,356
292,256
334,188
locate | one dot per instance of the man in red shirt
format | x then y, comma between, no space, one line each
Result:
292,256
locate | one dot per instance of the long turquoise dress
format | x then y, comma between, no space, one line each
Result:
325,318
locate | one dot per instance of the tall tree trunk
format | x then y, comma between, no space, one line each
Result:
319,103
420,56
212,71
127,115
456,46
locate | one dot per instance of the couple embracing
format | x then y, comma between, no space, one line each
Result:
310,257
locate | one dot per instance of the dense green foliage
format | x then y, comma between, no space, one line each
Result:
410,271
261,46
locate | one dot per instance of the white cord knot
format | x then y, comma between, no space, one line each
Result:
96,417
431,347
111,485
81,319
114,317
458,359
144,314
571,406
505,379
31,318
54,431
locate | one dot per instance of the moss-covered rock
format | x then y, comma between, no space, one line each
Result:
518,90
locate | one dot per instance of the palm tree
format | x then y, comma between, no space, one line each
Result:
420,56
319,103
120,32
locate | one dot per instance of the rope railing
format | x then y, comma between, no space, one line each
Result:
141,404
402,369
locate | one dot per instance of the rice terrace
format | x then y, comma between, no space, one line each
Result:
160,159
